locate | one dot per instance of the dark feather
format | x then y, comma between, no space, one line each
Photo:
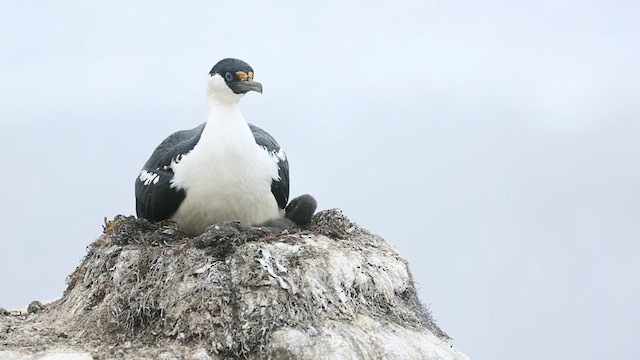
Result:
159,201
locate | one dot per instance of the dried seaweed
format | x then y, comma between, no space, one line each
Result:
230,289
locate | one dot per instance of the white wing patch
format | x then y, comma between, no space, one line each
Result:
174,162
276,156
148,177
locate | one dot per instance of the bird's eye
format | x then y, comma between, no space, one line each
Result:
228,76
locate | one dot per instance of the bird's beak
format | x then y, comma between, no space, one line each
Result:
243,87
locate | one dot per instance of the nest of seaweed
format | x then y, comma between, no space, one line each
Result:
230,288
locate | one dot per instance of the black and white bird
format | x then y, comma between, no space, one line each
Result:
224,169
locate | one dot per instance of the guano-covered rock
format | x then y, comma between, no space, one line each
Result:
146,291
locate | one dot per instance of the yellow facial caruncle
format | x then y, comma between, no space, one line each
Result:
243,76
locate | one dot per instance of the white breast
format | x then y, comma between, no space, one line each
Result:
226,176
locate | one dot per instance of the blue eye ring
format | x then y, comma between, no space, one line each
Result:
228,76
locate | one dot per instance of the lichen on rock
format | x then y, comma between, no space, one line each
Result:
145,289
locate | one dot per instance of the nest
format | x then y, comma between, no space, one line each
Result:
235,289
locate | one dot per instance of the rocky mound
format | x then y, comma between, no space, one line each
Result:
145,290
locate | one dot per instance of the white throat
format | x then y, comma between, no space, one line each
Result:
225,123
219,94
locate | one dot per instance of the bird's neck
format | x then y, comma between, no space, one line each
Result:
225,123
220,112
222,106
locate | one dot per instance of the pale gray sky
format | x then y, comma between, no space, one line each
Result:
494,143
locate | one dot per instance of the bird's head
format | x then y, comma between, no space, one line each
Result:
230,79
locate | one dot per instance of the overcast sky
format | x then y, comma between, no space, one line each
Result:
495,143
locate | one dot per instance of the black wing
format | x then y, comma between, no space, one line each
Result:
279,187
155,199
